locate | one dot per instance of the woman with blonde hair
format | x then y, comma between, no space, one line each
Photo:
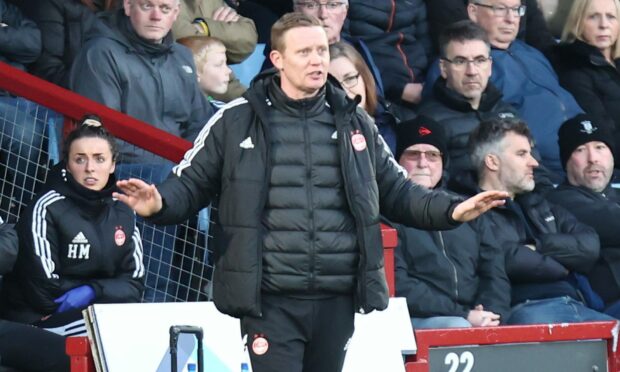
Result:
350,69
588,58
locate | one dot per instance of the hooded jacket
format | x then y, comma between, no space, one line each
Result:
72,236
231,164
601,211
155,83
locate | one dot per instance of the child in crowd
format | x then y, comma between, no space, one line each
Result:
210,60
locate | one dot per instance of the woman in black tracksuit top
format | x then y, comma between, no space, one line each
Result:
78,246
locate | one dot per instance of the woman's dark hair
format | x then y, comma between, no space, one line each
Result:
89,126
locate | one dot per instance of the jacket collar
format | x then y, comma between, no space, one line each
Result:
456,101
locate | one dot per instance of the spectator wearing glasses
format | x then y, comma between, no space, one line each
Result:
396,33
463,96
532,29
588,59
525,78
349,68
452,278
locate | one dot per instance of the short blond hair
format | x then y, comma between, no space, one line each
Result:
287,22
200,46
573,29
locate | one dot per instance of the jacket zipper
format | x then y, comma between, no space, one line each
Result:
309,195
456,280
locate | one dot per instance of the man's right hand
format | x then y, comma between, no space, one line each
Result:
480,318
139,196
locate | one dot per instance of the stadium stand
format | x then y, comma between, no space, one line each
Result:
72,107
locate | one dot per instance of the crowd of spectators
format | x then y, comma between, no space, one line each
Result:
469,95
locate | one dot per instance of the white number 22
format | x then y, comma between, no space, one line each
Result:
453,360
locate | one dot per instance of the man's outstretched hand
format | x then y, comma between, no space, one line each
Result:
139,196
478,204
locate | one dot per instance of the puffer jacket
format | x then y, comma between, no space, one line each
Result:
71,236
231,164
396,33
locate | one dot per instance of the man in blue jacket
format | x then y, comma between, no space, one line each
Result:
524,76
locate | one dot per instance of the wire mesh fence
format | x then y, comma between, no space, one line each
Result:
176,257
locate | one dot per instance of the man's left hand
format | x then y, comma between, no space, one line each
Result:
478,204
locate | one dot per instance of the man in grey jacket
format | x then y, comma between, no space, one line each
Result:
131,64
300,176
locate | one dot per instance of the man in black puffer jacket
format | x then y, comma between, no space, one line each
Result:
453,278
299,175
545,247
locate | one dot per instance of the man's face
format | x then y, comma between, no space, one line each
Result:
423,163
591,165
471,77
152,19
304,62
501,23
516,164
331,13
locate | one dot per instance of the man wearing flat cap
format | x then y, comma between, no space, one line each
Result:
450,278
587,154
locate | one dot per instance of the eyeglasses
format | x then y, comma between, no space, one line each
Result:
462,62
502,10
432,156
314,7
350,81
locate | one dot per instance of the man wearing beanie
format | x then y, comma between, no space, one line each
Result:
543,244
452,278
587,154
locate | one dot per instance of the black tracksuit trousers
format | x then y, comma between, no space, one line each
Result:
299,335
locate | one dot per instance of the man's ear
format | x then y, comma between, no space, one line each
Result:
492,162
276,59
442,68
126,6
472,12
